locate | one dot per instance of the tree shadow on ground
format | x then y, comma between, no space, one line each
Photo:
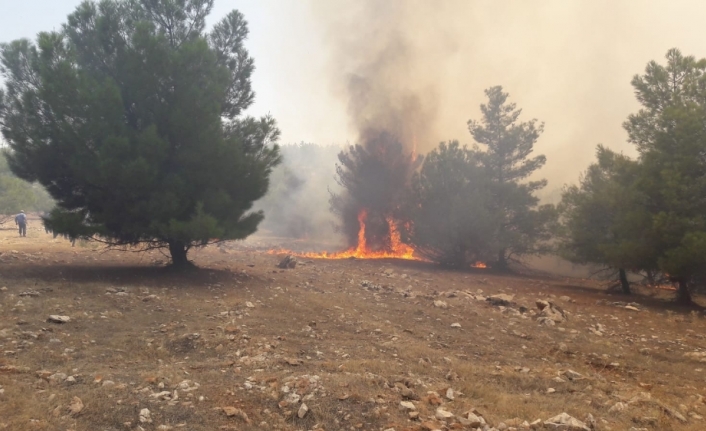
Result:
122,275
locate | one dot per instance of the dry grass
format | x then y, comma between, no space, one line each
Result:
244,330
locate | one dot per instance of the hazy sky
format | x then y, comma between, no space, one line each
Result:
567,63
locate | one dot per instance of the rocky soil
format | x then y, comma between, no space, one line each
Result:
95,340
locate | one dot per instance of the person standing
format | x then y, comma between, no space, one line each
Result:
21,222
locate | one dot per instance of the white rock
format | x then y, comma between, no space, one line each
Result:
249,304
450,394
406,405
303,410
442,414
455,325
441,304
565,422
474,420
145,416
55,318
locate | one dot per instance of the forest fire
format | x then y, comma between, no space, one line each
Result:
395,248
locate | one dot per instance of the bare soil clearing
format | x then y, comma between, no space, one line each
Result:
334,345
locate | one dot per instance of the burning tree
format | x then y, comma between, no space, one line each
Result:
375,177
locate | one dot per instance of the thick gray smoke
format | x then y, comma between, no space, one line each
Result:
381,67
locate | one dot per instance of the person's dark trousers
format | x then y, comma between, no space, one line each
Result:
23,229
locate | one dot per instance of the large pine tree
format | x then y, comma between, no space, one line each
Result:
522,225
130,116
669,132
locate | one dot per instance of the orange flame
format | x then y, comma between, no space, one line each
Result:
397,249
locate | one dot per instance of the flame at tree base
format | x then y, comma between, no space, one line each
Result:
397,249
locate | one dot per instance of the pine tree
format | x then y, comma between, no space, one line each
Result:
604,221
669,133
522,225
450,220
130,116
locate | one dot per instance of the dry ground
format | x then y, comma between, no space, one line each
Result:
350,339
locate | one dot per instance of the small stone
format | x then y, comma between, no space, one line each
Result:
289,262
303,410
408,394
572,375
565,422
500,299
631,308
76,406
450,394
407,405
55,318
474,420
442,414
145,416
455,325
551,390
249,304
441,304
618,407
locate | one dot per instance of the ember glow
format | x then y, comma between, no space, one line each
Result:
396,249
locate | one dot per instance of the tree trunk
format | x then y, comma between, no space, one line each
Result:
624,283
502,261
683,294
651,277
178,250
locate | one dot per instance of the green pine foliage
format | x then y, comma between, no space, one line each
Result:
668,132
650,214
522,226
130,116
603,220
450,218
